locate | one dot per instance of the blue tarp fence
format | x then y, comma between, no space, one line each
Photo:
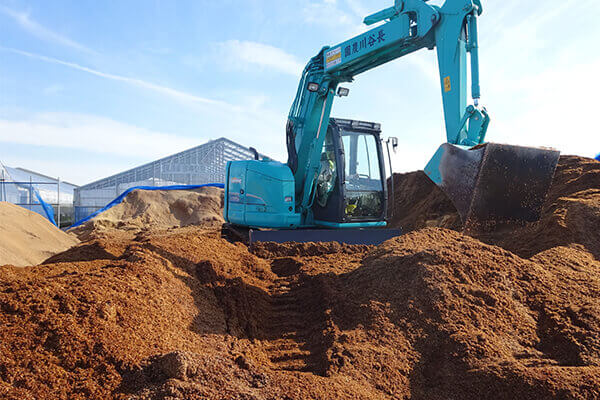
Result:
122,196
48,209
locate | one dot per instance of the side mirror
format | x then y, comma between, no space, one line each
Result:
394,142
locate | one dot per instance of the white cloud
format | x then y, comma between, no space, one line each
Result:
114,146
181,96
91,134
262,55
359,9
65,170
327,13
426,63
41,32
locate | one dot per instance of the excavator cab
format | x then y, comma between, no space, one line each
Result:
349,195
350,188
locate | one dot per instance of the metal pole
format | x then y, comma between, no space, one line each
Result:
30,194
393,189
58,201
3,185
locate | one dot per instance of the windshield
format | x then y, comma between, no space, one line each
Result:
363,184
362,162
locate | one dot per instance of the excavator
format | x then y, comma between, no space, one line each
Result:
333,186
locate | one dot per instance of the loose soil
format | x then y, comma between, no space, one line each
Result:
143,209
27,238
180,313
416,202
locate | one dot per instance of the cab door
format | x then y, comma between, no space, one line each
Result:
364,192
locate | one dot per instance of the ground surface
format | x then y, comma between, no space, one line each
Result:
181,313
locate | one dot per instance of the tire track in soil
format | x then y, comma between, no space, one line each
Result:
296,321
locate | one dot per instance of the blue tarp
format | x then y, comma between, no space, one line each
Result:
47,207
598,157
119,199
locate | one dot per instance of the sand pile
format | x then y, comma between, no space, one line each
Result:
143,209
27,238
434,314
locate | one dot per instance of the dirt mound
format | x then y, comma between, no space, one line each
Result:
418,203
470,320
27,238
182,313
143,209
571,214
77,329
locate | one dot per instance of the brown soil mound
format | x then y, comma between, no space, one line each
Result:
183,314
143,209
27,238
570,216
418,203
471,321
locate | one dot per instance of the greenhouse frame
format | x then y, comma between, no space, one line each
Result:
199,165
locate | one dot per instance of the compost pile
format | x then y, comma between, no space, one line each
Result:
27,238
181,313
570,214
416,202
142,209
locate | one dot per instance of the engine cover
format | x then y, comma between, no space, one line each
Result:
260,194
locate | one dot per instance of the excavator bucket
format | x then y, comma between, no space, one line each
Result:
495,185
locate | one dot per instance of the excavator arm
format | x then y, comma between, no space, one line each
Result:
410,25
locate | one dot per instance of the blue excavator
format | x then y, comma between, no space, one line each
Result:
333,186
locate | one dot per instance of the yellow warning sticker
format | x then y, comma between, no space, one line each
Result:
447,84
333,57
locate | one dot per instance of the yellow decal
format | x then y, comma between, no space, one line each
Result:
447,84
333,57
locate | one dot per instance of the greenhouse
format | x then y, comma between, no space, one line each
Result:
196,166
39,193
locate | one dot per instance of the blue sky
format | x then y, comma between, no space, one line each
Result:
89,88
